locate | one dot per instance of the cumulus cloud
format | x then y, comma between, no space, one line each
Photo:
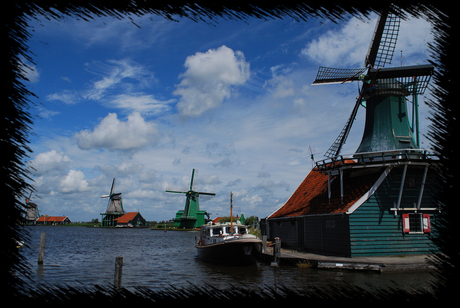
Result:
113,134
50,161
74,182
209,79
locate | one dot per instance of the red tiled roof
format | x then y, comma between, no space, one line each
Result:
126,218
311,197
218,219
51,218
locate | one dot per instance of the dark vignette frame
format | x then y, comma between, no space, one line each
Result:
17,124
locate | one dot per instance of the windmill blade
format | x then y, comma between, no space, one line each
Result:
176,192
105,196
113,185
328,75
205,193
383,42
405,71
336,147
191,181
28,199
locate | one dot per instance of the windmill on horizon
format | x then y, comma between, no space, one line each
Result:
114,207
191,217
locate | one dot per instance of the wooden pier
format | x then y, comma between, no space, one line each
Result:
379,264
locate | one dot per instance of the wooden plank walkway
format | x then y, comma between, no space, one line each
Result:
380,264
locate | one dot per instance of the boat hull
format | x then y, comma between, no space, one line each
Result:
238,252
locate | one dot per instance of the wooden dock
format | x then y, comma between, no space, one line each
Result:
379,264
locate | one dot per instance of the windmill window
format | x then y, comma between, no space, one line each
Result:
416,223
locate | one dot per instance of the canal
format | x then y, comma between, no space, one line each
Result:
79,256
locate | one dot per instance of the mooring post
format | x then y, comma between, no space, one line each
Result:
264,243
118,272
276,252
41,250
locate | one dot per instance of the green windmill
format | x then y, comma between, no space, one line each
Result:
388,125
191,216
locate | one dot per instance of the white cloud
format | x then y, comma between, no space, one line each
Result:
117,73
46,113
113,134
123,170
30,72
209,78
345,47
50,161
68,97
143,103
74,182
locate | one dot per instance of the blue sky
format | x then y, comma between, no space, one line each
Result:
146,100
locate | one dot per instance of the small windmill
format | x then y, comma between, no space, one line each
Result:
114,207
191,216
32,213
384,90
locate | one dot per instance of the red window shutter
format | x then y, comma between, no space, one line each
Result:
406,224
426,223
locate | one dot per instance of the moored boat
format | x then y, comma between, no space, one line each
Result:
229,244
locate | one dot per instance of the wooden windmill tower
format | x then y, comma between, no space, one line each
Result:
32,213
191,216
114,208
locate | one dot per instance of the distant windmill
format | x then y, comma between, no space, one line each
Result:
191,216
384,90
114,207
32,213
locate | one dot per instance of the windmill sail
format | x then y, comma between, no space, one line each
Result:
336,147
380,52
115,204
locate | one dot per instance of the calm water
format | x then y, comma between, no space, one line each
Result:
78,256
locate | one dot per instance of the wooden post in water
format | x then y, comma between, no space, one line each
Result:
264,243
41,250
118,272
276,252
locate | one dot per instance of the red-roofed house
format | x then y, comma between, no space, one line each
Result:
131,219
361,207
53,220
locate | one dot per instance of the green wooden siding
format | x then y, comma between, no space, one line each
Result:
374,227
